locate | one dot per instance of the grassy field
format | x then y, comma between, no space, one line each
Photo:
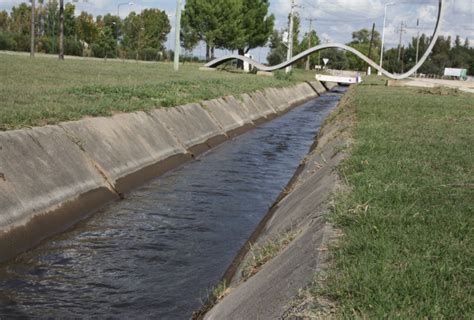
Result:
45,91
408,218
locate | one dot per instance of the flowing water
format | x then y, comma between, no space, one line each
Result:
157,253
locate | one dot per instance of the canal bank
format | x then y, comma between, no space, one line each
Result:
289,247
157,253
51,177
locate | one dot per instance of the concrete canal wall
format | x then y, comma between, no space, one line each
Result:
52,176
272,292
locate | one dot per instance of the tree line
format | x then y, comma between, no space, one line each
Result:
138,36
446,52
227,24
237,25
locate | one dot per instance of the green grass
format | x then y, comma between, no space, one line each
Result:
408,218
260,255
46,91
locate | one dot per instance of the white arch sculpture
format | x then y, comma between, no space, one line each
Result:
259,66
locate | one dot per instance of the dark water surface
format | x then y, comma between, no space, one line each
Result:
157,253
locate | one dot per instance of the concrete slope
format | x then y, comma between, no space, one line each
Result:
330,85
317,86
51,177
125,144
193,127
263,104
306,91
257,113
232,120
268,293
241,109
42,170
277,99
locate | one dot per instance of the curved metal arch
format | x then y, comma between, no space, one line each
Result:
306,53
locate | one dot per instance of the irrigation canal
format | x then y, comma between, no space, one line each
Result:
157,253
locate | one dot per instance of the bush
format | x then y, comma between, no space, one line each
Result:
72,47
22,42
46,44
150,54
7,42
282,75
100,51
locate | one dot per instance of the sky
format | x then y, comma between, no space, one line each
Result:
334,20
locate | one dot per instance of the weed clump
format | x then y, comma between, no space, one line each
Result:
284,76
262,254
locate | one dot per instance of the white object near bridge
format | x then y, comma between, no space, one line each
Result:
338,79
453,72
247,65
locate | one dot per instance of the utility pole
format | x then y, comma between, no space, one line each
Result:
417,42
369,69
32,36
61,29
177,44
402,30
371,40
289,54
310,36
383,33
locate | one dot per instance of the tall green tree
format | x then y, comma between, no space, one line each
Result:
86,29
21,19
69,20
200,22
132,27
114,23
310,39
51,18
278,50
4,21
106,45
156,28
257,24
219,23
146,30
230,33
361,42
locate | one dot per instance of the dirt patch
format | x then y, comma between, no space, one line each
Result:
440,91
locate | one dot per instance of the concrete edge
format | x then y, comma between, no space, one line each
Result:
57,218
236,264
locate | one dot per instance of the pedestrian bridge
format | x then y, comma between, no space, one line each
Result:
310,51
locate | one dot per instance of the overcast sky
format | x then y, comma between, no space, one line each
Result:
334,19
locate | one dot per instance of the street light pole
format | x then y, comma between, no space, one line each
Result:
61,29
308,60
289,54
123,4
177,44
32,45
383,34
417,43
